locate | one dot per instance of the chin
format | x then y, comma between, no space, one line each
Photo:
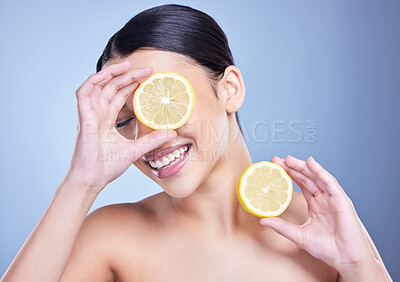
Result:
175,168
183,184
179,192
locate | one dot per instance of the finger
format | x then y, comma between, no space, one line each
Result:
115,106
305,175
114,70
306,192
324,178
111,71
286,229
134,76
299,165
95,81
123,80
152,140
86,87
118,101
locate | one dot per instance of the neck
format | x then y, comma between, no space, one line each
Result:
214,204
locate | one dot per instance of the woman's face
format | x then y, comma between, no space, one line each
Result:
199,143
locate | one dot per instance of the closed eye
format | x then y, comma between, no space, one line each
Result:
121,124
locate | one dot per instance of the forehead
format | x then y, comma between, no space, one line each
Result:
163,61
157,59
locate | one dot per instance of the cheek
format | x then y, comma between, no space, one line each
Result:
207,127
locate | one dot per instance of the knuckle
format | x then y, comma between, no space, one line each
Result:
317,179
302,241
126,94
135,74
349,201
78,91
345,201
91,78
113,86
319,175
302,181
334,180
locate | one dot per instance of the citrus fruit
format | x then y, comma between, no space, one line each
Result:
165,100
265,189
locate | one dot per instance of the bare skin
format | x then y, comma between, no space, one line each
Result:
153,241
196,230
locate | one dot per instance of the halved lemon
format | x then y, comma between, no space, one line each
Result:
163,101
265,189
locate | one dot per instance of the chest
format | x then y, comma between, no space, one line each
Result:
194,260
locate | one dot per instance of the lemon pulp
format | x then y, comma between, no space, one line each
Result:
165,100
265,189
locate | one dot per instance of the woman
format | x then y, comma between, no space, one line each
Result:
195,230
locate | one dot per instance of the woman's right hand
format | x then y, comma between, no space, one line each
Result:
101,154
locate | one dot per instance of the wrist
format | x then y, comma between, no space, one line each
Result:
76,180
367,270
75,184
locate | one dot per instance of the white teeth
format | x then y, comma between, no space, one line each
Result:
169,159
165,160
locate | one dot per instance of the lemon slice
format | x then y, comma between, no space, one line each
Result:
265,189
165,100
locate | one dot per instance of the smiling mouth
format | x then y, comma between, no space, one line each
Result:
168,157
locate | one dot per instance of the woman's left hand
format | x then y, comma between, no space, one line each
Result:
333,232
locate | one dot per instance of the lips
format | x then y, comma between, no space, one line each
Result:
168,161
162,152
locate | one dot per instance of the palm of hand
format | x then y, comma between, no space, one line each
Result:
332,232
101,154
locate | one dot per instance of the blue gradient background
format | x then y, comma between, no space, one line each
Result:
334,62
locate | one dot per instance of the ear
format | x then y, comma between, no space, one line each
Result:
231,89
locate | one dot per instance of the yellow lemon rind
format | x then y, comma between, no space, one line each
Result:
156,126
254,211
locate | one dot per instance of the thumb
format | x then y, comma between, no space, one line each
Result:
286,229
153,140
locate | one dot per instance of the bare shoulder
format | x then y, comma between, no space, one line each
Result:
115,219
106,235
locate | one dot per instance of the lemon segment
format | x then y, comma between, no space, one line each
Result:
265,189
164,101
